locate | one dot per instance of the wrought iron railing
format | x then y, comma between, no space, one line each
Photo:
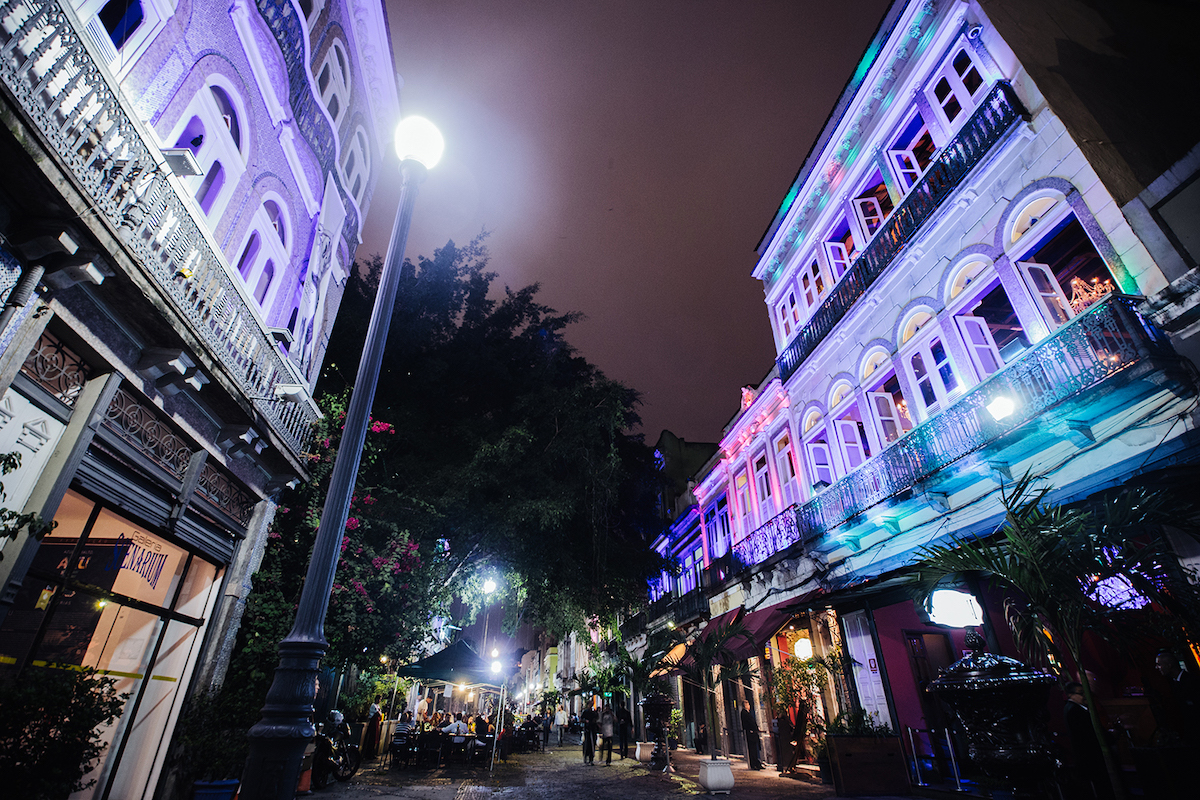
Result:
46,66
689,605
143,427
56,368
987,126
778,533
1106,339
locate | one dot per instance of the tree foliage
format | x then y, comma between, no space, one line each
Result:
494,447
50,735
715,651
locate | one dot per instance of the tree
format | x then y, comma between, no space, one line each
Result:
1105,570
11,522
706,654
641,673
797,684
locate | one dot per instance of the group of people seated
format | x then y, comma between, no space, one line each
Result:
461,733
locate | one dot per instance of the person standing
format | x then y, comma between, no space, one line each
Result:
624,724
753,736
375,718
1091,775
608,728
589,718
560,722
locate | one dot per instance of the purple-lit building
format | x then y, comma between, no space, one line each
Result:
985,267
184,190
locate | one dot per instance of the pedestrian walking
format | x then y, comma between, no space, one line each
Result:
590,720
753,736
624,724
608,729
560,722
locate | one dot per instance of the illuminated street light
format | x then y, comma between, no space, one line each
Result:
496,666
278,740
1001,407
489,586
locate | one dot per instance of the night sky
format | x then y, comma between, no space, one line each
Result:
627,155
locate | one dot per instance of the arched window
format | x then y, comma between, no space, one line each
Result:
264,282
249,255
275,215
333,81
228,115
212,129
357,165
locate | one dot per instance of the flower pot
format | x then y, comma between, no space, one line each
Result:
214,790
644,751
716,776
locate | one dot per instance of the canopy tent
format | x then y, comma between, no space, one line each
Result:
457,664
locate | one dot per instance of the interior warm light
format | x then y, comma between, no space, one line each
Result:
955,609
419,139
495,652
1001,407
803,648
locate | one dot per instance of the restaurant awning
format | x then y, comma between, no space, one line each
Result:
766,622
457,664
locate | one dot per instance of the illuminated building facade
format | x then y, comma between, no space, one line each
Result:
184,188
968,280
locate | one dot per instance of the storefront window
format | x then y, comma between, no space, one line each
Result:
107,593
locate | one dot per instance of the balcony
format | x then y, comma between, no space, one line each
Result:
690,605
1107,339
987,126
67,97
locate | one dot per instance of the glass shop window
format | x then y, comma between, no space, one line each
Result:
108,593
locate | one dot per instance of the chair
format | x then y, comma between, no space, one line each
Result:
430,748
401,748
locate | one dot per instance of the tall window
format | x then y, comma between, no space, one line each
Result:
333,81
911,152
264,255
762,481
958,87
213,132
120,19
785,464
812,285
357,165
888,407
928,362
873,204
840,248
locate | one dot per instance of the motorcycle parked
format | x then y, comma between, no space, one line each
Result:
336,756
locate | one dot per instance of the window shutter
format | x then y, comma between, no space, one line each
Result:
819,458
870,214
850,439
1041,281
886,415
907,168
980,345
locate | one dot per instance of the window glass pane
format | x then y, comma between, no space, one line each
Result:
135,563
947,100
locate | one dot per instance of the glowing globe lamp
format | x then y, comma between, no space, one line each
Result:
418,139
803,648
1001,407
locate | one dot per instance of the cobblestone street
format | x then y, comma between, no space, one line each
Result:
561,773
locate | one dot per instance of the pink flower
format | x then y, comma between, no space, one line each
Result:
352,523
369,500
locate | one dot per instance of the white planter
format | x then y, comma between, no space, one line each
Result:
644,749
716,776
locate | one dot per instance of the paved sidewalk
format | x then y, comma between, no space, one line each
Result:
561,773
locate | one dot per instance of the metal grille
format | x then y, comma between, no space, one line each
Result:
223,492
57,369
995,115
46,66
142,427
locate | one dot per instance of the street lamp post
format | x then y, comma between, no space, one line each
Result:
278,740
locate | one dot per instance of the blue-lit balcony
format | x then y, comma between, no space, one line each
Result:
113,162
994,118
1106,360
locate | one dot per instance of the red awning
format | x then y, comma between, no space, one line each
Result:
728,618
765,623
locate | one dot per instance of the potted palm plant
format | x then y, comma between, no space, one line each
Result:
703,657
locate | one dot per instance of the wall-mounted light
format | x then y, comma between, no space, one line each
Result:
803,648
1001,406
954,609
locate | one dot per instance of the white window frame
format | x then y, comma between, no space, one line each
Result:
839,260
762,484
851,442
867,209
785,464
981,345
155,14
357,147
741,488
826,472
218,144
340,82
1047,293
788,312
270,249
819,274
967,101
921,345
883,412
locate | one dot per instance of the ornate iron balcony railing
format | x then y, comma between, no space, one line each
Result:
1104,340
47,68
689,605
987,126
